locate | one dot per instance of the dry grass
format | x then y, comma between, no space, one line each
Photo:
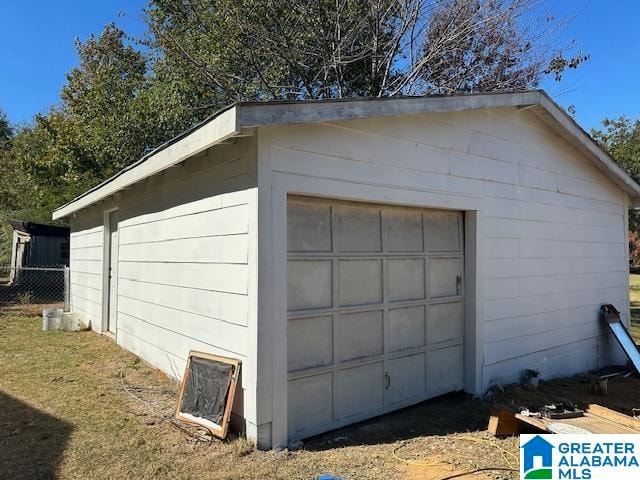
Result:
66,415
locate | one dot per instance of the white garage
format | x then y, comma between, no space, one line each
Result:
358,256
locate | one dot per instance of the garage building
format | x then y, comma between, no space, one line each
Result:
359,256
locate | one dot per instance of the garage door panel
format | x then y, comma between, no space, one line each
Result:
442,231
359,390
406,279
406,328
375,310
309,342
360,335
444,370
407,378
357,229
445,322
403,230
309,284
444,277
360,282
309,403
309,227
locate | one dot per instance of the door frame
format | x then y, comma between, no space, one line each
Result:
273,295
107,303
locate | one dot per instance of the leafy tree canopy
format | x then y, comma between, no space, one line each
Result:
127,96
620,137
290,49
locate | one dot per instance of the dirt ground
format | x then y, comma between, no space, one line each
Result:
77,406
623,393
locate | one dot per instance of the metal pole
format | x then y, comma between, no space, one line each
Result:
67,289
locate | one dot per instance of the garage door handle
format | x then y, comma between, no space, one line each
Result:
387,380
458,285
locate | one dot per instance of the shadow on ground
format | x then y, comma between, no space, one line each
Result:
31,441
453,413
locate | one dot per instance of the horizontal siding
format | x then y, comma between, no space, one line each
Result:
554,236
223,221
85,252
581,355
220,277
182,260
223,306
521,287
196,327
218,249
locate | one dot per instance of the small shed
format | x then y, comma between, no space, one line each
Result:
38,245
359,256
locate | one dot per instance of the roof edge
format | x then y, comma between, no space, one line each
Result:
254,114
231,121
219,127
605,162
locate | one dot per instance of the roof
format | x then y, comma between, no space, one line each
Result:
241,118
39,229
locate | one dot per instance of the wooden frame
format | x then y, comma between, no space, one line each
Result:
215,429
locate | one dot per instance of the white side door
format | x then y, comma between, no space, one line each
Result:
112,257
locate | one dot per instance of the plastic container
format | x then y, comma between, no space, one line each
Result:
51,319
71,322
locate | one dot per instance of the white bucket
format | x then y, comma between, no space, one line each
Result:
52,319
71,322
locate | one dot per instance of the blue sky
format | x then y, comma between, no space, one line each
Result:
37,49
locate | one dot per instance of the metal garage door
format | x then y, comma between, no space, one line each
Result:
375,310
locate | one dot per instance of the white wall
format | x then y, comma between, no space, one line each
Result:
550,230
184,262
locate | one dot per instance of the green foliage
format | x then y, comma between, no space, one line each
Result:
111,114
127,96
621,139
9,190
230,50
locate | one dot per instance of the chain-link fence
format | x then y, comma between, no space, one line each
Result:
34,286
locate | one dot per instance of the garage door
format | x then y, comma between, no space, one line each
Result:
375,310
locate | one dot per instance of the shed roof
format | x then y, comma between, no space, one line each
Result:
241,118
39,229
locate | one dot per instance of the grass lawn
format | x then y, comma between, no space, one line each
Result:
634,328
65,414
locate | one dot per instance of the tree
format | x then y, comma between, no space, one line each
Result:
621,139
109,117
254,49
9,187
123,100
6,131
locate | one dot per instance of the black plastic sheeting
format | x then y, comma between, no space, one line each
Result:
205,394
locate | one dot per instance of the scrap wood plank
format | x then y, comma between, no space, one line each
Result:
502,422
596,424
612,415
597,419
